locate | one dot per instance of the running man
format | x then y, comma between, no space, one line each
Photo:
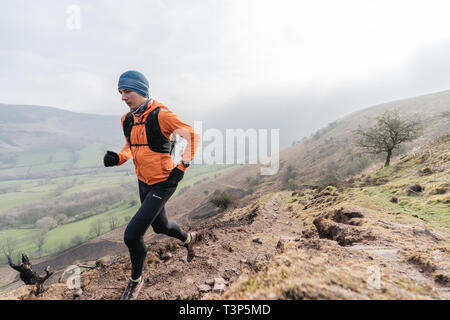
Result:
148,130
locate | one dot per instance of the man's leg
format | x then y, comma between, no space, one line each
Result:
169,228
154,201
134,239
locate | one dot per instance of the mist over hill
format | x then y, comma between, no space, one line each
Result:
329,154
24,128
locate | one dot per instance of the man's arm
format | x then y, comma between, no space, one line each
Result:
113,159
170,123
124,154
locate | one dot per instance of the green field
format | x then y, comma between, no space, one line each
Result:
61,236
13,199
29,191
65,233
55,162
23,238
37,189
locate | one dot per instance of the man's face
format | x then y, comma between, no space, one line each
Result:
132,99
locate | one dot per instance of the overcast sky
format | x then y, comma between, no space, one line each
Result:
293,65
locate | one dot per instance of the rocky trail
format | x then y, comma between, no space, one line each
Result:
270,250
244,240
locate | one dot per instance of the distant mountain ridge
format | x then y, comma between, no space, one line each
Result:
25,128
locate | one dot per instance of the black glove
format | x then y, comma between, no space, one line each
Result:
175,176
111,159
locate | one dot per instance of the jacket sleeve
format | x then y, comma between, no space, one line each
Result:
170,123
125,154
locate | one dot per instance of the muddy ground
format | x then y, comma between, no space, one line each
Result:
271,250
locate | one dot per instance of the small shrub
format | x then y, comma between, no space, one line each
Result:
222,201
61,219
62,247
328,179
288,179
78,239
254,182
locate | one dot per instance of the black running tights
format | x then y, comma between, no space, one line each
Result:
152,212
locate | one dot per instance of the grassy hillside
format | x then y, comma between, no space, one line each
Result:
416,185
406,238
344,242
327,156
330,155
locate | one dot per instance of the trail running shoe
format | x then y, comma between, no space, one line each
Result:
190,246
132,290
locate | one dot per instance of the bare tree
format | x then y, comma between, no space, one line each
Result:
41,236
46,223
28,276
61,218
97,227
113,222
8,244
387,134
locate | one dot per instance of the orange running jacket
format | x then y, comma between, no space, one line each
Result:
153,167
